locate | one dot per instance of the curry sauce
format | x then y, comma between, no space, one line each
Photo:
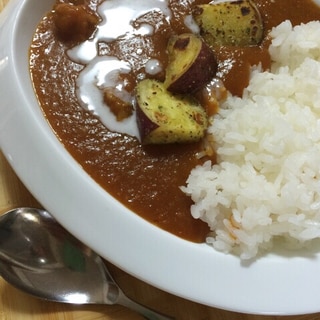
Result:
145,179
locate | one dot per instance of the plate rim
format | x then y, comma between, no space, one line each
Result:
170,260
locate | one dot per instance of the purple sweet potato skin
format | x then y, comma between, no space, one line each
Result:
202,70
145,125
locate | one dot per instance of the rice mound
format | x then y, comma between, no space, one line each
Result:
266,183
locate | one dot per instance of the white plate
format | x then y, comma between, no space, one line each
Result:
273,284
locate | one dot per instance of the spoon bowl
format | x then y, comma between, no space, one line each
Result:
40,257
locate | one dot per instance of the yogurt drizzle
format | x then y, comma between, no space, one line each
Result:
118,17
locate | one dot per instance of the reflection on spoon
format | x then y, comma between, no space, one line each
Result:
41,258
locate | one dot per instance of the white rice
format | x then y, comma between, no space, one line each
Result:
266,183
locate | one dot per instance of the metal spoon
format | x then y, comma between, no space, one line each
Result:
41,258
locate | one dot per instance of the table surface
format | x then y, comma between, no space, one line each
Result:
17,305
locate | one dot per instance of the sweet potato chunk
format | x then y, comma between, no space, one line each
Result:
192,64
231,23
166,118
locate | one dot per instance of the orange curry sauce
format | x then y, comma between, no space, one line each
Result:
146,179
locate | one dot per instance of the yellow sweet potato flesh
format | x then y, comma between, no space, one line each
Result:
191,65
183,50
231,23
166,118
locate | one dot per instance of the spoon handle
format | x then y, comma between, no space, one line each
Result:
147,313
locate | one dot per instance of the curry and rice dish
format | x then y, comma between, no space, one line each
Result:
202,117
